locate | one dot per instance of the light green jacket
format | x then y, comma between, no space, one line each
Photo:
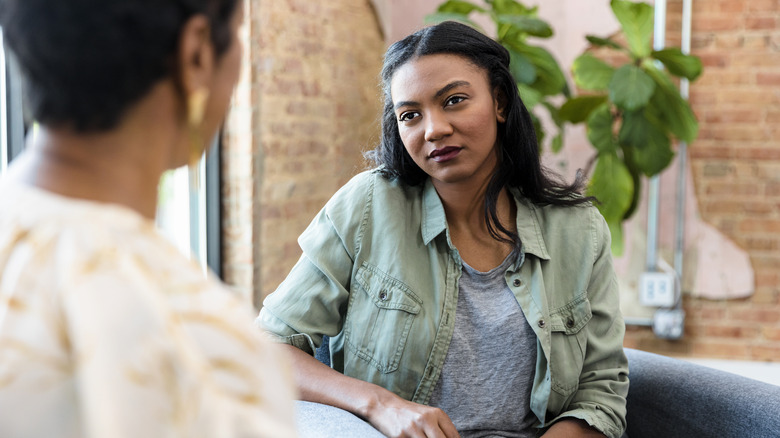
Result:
379,275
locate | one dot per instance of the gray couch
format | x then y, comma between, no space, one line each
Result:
667,398
672,398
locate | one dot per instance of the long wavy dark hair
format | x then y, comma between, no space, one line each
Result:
519,164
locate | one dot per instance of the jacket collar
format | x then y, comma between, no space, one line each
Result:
434,221
528,227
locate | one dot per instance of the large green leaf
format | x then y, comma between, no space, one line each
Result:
616,231
650,145
591,73
459,7
506,32
678,63
524,24
636,19
440,17
529,95
521,67
599,129
603,42
636,176
540,134
557,142
612,185
577,109
630,87
555,113
549,77
510,7
667,106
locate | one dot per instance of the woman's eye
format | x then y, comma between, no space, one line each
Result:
454,100
407,116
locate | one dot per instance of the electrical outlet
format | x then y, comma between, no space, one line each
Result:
669,323
656,289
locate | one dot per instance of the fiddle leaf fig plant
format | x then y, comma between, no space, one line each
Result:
632,112
538,75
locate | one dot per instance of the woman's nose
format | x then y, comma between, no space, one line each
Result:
437,126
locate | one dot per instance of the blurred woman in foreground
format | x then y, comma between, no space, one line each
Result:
105,329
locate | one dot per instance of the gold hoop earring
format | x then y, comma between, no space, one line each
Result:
196,111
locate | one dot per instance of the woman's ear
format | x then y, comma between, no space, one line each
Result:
196,57
499,100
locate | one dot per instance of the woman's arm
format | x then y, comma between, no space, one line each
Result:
600,397
572,428
389,413
313,301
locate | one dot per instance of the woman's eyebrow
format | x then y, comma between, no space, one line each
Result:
438,94
450,86
404,103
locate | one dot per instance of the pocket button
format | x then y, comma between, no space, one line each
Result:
383,296
570,322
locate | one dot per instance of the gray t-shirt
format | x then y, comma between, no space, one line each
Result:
485,383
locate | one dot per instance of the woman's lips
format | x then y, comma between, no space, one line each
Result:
446,153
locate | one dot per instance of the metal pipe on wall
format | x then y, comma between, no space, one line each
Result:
659,41
679,240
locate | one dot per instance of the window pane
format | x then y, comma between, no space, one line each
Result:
180,211
3,110
173,210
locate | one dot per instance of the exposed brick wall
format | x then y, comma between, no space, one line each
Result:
736,172
237,176
314,104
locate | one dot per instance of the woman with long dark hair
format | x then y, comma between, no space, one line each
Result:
106,330
465,289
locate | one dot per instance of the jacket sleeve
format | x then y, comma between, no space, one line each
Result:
600,399
312,300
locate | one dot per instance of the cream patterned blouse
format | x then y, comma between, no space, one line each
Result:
106,330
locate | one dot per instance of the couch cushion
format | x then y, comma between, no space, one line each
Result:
316,420
672,398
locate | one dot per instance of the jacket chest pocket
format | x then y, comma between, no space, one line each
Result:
568,344
379,318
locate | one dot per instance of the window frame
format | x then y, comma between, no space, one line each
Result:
213,211
12,124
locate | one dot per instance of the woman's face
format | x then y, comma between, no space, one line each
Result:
447,117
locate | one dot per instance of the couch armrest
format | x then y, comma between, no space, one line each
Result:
315,420
672,398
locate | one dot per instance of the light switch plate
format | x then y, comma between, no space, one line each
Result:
656,289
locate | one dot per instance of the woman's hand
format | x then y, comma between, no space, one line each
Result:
399,418
387,412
